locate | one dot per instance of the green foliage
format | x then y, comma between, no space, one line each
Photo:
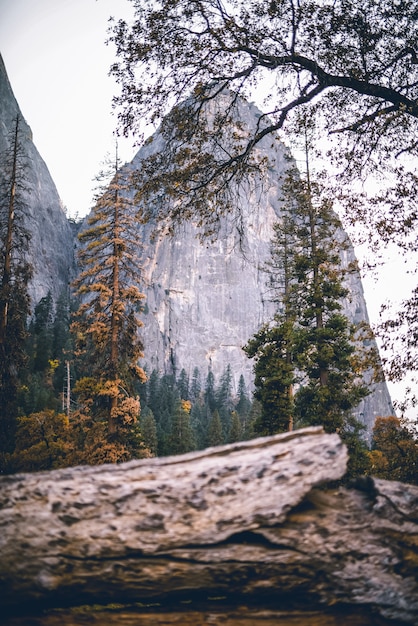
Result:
210,417
47,349
215,435
181,437
15,273
310,361
235,432
274,377
333,388
149,430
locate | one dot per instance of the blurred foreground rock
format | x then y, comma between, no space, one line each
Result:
246,521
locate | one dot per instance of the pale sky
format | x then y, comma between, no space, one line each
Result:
58,64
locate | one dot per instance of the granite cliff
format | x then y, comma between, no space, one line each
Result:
204,300
51,246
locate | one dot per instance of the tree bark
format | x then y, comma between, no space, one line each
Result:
246,521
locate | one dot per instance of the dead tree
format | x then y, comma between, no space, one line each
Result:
259,520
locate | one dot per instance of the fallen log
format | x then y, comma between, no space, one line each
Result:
245,520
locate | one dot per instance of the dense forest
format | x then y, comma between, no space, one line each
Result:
178,413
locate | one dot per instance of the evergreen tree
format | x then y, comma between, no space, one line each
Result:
310,343
196,385
42,330
250,430
327,347
183,385
62,345
153,397
215,434
210,396
235,432
15,273
168,398
274,377
244,404
106,326
149,430
224,391
181,437
199,423
224,401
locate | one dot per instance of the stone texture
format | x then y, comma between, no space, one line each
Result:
51,246
258,520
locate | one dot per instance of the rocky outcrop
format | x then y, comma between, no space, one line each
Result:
253,520
204,300
51,247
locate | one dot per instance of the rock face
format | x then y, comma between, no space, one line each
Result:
51,247
246,520
205,300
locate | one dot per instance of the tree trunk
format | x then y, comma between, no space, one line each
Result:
246,521
6,278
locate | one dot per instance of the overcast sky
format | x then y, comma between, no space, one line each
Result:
58,64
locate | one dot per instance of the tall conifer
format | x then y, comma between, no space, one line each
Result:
311,347
15,273
106,325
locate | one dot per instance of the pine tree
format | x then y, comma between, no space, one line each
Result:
310,344
327,349
235,432
199,423
244,403
149,430
15,273
181,437
183,385
196,384
42,329
62,352
273,345
210,396
153,396
215,434
106,326
224,401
